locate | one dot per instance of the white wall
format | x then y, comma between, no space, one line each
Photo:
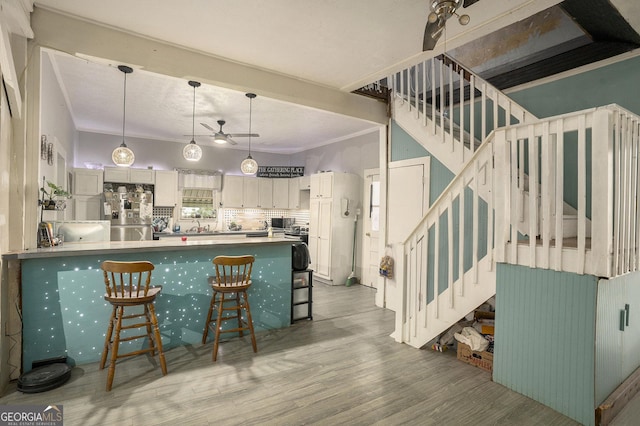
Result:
167,155
56,123
351,155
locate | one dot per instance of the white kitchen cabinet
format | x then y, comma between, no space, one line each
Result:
166,188
294,193
129,175
87,207
87,182
251,193
304,182
232,191
281,193
142,176
265,193
330,231
321,185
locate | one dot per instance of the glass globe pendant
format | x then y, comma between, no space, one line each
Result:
122,156
192,152
249,166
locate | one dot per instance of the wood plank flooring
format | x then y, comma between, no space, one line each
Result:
342,368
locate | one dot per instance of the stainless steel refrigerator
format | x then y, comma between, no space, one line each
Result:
131,214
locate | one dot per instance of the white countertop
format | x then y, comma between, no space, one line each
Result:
81,249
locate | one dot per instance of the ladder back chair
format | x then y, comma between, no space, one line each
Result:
128,287
230,285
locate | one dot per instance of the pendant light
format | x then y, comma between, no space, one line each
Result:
249,166
122,156
192,151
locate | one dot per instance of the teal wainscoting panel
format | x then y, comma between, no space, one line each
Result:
64,313
545,334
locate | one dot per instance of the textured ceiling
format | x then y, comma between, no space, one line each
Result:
337,44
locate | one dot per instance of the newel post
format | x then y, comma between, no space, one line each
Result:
501,193
400,277
602,191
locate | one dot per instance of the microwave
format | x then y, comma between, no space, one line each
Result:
281,222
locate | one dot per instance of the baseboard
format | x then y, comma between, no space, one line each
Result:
618,399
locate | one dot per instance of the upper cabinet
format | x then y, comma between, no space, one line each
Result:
294,193
281,193
232,191
128,175
166,188
87,182
321,185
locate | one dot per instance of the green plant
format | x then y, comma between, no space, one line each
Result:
54,191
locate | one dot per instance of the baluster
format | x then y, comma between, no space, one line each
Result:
450,249
472,114
533,194
582,192
433,94
559,192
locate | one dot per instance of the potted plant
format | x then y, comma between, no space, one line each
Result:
54,192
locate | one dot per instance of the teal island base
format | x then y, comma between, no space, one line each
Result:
64,313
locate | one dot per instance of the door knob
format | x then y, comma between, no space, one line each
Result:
368,234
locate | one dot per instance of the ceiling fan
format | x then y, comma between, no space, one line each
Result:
222,137
440,11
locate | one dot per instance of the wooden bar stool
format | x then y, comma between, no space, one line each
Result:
233,278
128,285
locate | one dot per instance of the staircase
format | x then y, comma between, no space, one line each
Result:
491,212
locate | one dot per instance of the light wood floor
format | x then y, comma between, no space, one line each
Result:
342,368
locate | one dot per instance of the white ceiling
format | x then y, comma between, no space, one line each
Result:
338,44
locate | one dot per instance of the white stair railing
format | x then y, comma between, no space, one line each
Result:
605,180
457,107
447,269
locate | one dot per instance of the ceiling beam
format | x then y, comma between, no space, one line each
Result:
88,39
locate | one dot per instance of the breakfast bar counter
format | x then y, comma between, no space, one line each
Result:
64,313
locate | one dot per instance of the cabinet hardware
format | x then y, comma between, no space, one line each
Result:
623,316
626,309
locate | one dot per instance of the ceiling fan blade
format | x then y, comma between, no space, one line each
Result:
432,33
209,127
243,135
231,141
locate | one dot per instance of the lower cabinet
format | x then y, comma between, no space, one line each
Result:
301,295
87,207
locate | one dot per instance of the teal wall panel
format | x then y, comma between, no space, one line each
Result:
545,333
603,86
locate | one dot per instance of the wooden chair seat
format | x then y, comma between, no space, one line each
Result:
230,285
128,284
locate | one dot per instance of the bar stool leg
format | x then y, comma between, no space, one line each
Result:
212,304
218,325
250,321
107,339
239,314
114,349
158,339
147,316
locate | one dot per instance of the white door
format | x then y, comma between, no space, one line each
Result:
407,202
370,226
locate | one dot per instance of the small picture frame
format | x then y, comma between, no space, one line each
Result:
43,147
50,153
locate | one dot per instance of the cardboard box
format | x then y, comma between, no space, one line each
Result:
486,321
483,360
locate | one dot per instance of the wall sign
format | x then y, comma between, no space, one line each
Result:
280,171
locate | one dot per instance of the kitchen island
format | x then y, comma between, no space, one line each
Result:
64,313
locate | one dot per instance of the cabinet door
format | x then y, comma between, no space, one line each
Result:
320,216
116,174
304,182
265,193
321,185
232,191
87,182
87,207
294,193
166,188
251,192
314,183
281,193
326,185
142,176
